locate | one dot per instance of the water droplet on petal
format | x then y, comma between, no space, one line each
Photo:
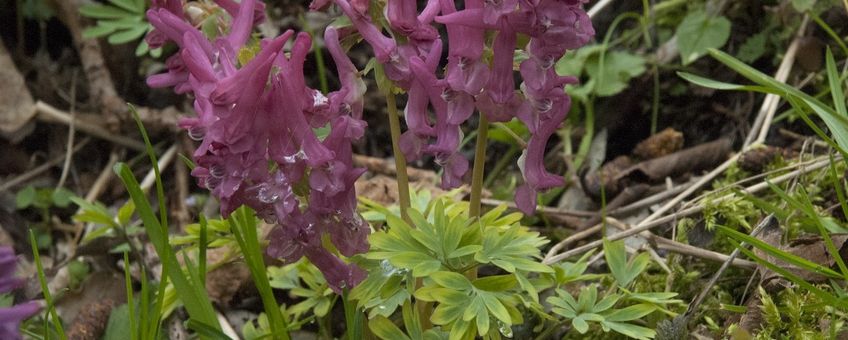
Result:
197,132
211,182
448,94
217,170
268,194
543,105
293,158
548,62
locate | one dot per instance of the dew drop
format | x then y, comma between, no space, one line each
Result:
463,63
505,329
448,94
387,268
267,194
543,105
217,170
197,132
548,62
212,182
294,157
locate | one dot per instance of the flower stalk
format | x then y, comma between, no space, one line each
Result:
400,159
477,172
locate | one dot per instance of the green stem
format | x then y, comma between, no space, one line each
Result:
500,166
51,308
400,159
479,164
548,331
353,318
319,57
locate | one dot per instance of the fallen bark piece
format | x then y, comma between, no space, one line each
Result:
16,105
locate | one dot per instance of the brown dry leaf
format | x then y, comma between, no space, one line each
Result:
225,281
380,188
811,248
753,319
607,177
660,144
16,105
97,288
699,157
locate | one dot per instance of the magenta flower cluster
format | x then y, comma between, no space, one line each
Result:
436,107
11,317
255,123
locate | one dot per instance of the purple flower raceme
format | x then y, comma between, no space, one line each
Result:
11,317
412,52
257,144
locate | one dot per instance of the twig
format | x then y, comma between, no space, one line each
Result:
96,189
760,129
628,195
41,168
756,177
387,167
181,212
686,249
650,200
542,209
226,327
51,114
166,159
71,133
592,12
573,238
647,224
800,137
700,298
568,218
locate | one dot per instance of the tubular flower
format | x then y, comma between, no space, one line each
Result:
11,317
255,123
469,82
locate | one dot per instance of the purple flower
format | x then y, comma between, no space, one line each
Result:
257,144
494,10
233,9
402,15
11,317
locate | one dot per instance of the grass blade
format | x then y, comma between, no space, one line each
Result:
130,303
838,124
46,291
837,302
835,85
782,255
243,225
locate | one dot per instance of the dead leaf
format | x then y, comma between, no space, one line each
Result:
811,248
98,287
696,158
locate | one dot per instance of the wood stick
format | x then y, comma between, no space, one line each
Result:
49,113
648,224
41,168
760,129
